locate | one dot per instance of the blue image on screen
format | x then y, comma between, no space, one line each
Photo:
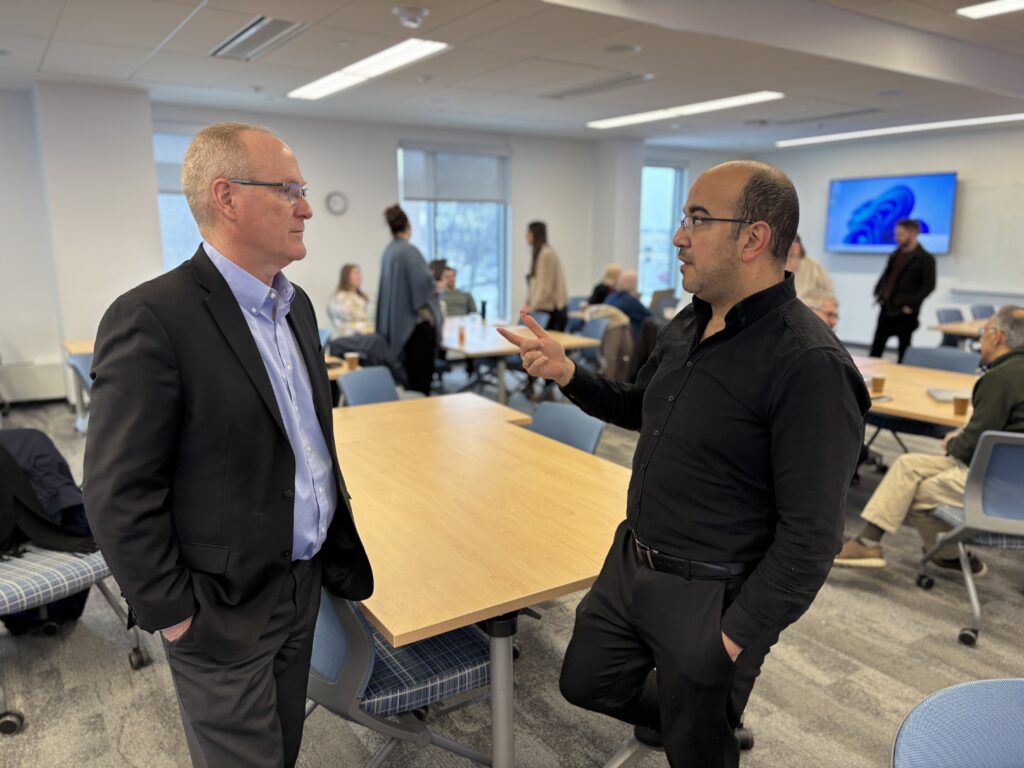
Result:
862,213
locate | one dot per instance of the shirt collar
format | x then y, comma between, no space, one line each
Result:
1003,358
751,308
251,293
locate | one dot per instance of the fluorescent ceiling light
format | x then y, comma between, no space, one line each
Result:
687,109
984,10
388,60
871,132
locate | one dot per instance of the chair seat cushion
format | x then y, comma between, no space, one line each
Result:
426,672
954,516
41,576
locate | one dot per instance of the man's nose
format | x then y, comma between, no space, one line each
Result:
681,239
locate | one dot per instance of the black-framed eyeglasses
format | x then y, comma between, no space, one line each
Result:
293,189
689,222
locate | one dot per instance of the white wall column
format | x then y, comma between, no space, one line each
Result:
618,166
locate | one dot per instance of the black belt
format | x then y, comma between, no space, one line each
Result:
688,569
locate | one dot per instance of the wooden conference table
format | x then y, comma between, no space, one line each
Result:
469,518
965,329
906,391
482,340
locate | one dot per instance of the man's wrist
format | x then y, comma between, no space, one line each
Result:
567,375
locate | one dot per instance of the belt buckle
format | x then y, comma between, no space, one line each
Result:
644,551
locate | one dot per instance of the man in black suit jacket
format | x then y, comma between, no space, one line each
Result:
908,278
213,488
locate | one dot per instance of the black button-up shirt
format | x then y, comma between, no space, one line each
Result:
748,441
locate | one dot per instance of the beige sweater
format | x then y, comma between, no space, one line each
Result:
547,288
811,276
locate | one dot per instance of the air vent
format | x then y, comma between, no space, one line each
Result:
599,86
262,35
832,116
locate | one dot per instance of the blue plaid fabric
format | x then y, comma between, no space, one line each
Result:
954,516
426,672
41,576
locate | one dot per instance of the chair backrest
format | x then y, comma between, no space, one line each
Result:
542,317
368,385
664,303
325,336
594,328
976,723
994,493
567,424
82,366
661,295
942,358
949,315
982,311
577,302
343,655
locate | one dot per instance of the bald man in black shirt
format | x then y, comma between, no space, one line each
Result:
750,415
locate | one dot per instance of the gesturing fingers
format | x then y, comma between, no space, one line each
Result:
512,337
534,326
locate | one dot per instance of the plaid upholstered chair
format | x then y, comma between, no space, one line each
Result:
975,723
40,576
992,515
358,676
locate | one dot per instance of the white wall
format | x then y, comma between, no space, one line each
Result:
988,241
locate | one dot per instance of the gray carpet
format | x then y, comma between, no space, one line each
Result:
832,693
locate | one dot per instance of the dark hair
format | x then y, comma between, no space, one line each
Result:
437,268
396,218
539,230
770,196
912,224
345,281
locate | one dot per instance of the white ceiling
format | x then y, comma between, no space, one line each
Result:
843,64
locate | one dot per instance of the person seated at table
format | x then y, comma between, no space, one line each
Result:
916,483
607,284
625,297
458,303
348,307
824,304
808,274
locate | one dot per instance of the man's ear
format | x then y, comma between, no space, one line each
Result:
224,199
758,242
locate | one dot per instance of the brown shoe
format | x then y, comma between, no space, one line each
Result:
978,567
856,555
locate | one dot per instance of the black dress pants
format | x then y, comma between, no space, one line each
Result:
647,649
902,326
418,357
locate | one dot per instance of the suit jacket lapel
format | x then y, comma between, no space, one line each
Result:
228,316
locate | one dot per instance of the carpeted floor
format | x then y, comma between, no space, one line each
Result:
832,693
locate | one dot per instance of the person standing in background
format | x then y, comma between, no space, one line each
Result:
347,308
408,310
808,274
545,283
908,279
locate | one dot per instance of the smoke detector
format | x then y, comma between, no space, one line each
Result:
411,16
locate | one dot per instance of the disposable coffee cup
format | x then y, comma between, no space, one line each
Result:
960,405
351,360
877,385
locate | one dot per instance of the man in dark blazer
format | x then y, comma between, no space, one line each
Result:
213,487
908,278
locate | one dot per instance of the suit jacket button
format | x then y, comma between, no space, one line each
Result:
286,554
288,495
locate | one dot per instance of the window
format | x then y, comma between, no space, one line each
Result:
458,207
179,235
662,193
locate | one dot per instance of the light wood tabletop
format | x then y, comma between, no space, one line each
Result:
483,340
906,392
78,346
967,329
428,414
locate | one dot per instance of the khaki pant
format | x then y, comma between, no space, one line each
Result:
915,484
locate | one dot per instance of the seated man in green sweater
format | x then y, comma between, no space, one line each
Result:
916,483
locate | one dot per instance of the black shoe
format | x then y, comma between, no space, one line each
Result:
649,737
978,568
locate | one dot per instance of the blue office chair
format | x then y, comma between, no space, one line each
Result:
992,515
982,311
942,358
576,303
81,366
368,385
949,315
567,424
325,336
976,723
594,328
358,676
515,362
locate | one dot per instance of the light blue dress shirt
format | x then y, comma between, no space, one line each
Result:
265,309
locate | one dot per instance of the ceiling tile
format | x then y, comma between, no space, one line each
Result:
309,11
491,17
376,16
23,52
548,31
127,23
206,30
268,80
177,68
326,50
71,57
536,76
454,66
34,18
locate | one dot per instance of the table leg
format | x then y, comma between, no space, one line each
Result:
501,631
502,391
79,392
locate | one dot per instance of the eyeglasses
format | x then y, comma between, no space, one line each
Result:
293,189
689,222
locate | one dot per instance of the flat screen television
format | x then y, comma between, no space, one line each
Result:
862,213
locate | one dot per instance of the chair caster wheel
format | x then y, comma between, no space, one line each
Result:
745,738
515,651
968,636
924,581
11,723
137,659
50,628
420,713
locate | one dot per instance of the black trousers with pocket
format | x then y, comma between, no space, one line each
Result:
647,649
901,325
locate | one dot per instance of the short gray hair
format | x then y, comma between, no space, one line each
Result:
1010,320
216,152
816,299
